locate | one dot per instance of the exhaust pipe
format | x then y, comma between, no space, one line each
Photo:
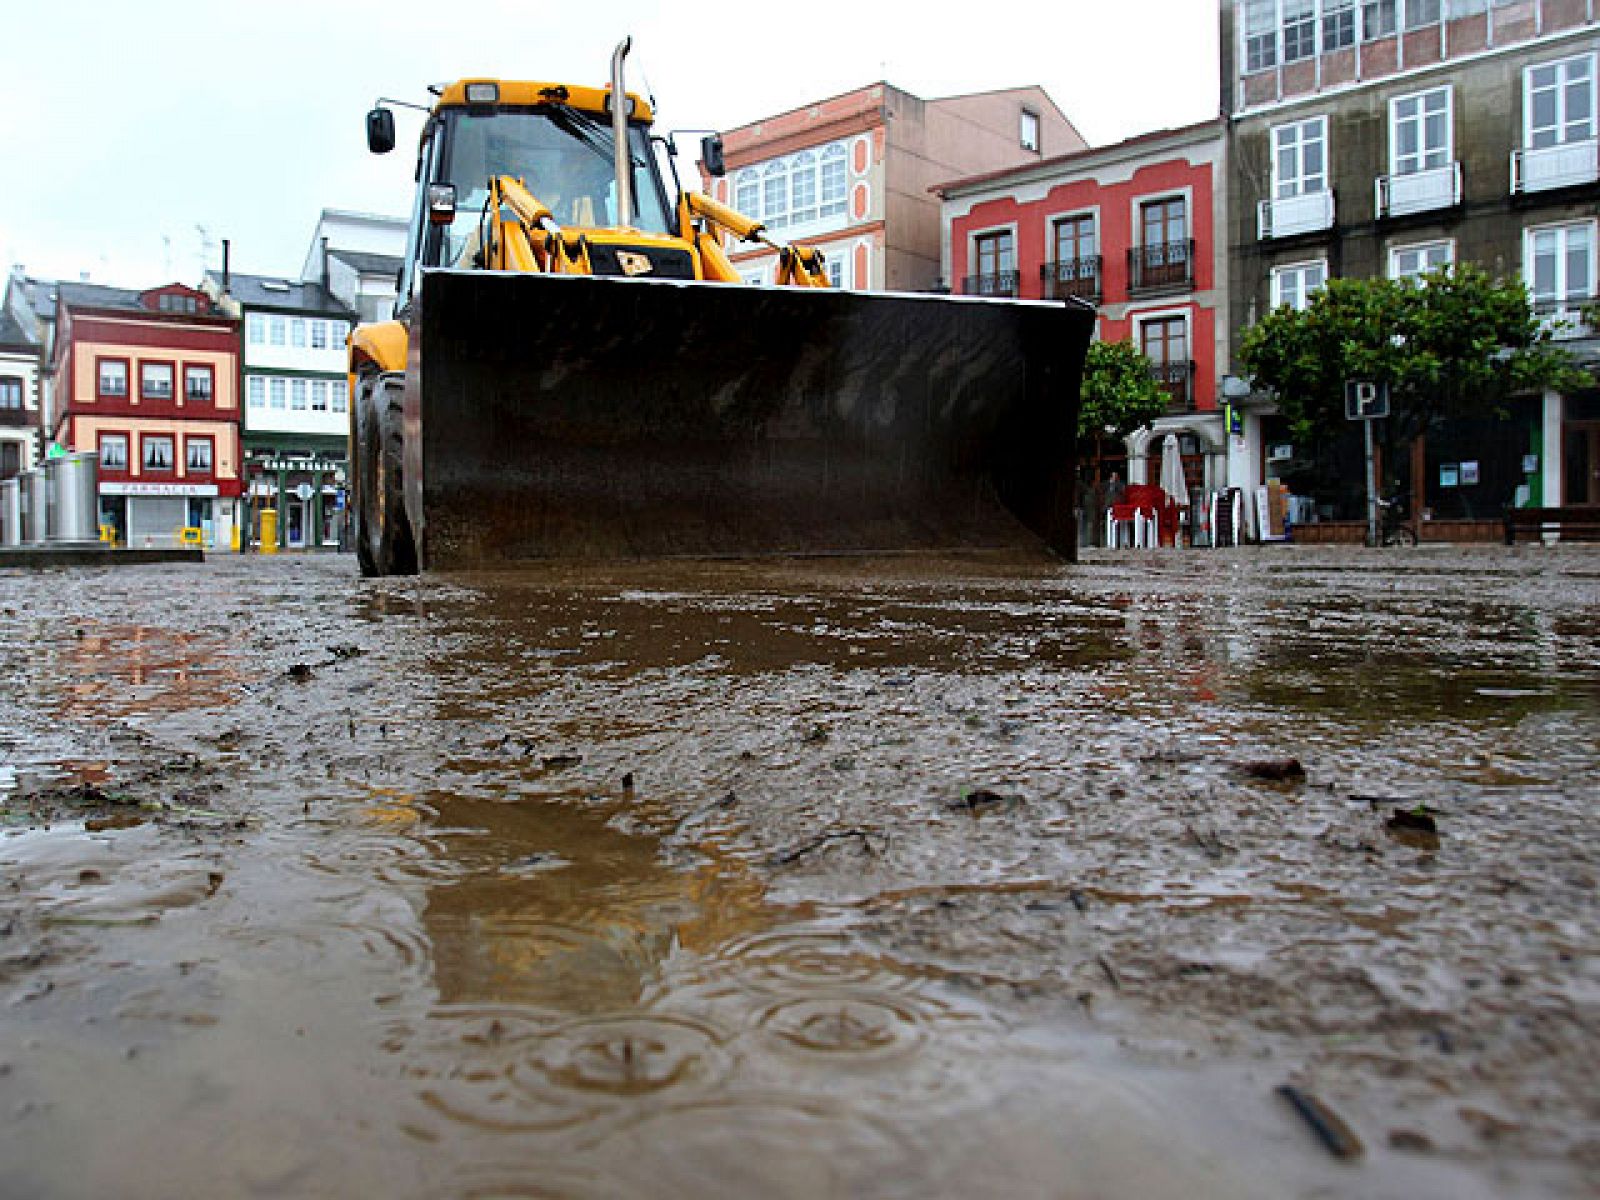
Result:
619,133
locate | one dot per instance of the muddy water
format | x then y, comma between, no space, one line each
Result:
909,878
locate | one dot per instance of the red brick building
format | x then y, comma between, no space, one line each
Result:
149,381
1137,228
851,175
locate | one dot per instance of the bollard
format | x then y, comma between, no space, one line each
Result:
269,531
35,507
10,512
74,481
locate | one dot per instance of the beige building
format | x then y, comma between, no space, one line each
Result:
851,175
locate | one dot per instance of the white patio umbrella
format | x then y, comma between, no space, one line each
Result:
1172,480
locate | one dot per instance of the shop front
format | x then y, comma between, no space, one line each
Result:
307,493
156,514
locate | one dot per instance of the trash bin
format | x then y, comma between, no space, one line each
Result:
35,507
10,512
73,480
269,531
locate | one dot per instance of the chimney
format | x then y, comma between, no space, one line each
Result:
226,277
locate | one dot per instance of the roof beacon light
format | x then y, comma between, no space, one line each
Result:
483,93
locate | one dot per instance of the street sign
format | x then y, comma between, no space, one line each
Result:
1365,400
303,491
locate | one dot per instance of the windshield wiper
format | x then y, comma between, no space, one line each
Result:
588,129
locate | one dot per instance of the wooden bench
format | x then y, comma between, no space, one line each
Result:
1569,523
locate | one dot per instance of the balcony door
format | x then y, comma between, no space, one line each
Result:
1165,342
995,255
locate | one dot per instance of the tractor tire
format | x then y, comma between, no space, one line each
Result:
384,543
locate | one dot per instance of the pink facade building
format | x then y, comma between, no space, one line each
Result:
851,175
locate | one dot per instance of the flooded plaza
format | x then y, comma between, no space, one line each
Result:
1179,874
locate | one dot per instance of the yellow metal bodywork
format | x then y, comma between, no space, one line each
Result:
380,346
528,93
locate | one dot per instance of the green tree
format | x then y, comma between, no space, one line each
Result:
1120,392
1454,343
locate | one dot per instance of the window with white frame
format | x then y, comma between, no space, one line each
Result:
797,189
1260,35
278,330
155,381
319,335
256,390
297,394
1300,158
1378,19
1299,29
1338,24
255,329
197,454
1421,12
157,451
341,395
1559,102
1294,283
1559,266
1408,262
11,392
198,384
113,377
339,331
279,390
114,451
297,333
1420,134
1028,130
319,395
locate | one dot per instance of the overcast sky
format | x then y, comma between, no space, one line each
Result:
136,132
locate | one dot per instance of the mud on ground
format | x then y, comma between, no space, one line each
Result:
1188,874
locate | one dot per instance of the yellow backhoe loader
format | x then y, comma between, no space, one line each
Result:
576,371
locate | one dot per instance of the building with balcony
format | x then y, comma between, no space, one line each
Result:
296,417
149,381
20,388
852,175
1390,137
1132,228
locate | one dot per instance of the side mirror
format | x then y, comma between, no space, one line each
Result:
711,156
380,131
441,203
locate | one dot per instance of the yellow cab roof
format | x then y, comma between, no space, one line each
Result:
527,93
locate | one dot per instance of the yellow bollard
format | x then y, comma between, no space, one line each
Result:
269,531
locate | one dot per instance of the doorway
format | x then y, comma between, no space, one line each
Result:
1580,466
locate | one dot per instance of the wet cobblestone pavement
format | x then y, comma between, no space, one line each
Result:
805,878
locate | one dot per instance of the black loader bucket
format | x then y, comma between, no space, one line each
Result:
580,417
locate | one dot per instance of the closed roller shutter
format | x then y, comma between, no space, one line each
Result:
155,517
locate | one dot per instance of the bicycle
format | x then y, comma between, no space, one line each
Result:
1392,527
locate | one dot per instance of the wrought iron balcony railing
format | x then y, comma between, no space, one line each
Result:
1177,378
1161,266
1080,277
1001,283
